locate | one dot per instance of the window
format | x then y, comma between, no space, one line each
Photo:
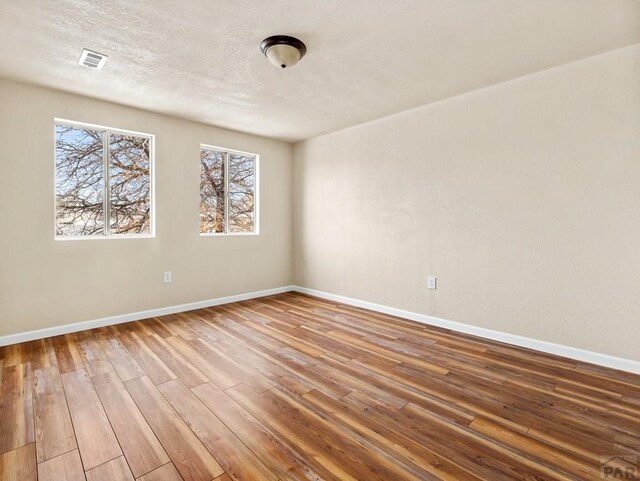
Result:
104,182
228,191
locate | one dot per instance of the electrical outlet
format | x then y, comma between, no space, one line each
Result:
432,282
167,277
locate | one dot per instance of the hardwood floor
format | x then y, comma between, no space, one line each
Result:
290,387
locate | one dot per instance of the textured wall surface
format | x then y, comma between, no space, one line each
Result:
44,282
522,198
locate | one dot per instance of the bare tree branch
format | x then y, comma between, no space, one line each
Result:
80,182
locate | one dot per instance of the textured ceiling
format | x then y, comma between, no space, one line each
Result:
200,59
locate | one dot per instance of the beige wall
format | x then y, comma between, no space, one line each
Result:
523,199
45,283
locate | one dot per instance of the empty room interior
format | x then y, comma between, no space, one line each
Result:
361,240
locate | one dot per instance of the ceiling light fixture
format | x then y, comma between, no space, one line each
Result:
283,51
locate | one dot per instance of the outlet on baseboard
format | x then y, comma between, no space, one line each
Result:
432,282
167,277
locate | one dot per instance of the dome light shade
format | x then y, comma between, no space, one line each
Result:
283,51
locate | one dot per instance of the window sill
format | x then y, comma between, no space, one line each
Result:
230,234
102,237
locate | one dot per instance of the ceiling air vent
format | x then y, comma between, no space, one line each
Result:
92,59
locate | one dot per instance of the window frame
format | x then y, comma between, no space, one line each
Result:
256,192
107,197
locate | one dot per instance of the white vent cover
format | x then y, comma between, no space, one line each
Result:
92,59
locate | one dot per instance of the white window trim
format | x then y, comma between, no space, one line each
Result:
256,194
152,175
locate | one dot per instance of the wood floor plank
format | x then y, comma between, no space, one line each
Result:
550,456
191,458
176,324
294,362
158,327
66,467
238,461
168,472
203,328
289,339
269,369
94,358
114,470
68,355
238,331
283,459
53,427
19,464
96,440
151,364
387,439
206,361
466,449
227,360
318,438
121,360
138,328
40,353
181,367
14,354
16,407
141,448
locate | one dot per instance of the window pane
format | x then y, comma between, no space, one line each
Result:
241,192
211,191
79,181
129,184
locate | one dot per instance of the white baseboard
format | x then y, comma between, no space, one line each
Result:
544,346
136,316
